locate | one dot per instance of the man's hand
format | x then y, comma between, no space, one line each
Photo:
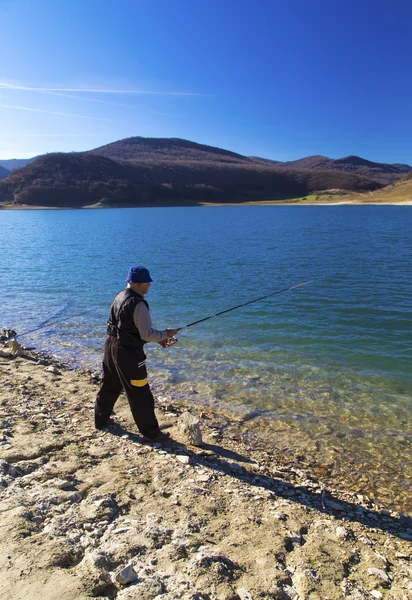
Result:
171,332
163,343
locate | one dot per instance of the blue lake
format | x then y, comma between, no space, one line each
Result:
323,371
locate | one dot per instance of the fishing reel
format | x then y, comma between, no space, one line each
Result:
171,341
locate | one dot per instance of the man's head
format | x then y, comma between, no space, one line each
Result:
139,279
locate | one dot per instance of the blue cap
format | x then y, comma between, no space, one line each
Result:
138,275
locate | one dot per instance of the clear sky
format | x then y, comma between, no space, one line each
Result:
281,79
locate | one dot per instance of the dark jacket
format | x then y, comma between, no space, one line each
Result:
121,323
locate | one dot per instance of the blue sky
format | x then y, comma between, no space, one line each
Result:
278,79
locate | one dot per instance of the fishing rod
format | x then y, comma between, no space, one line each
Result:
222,312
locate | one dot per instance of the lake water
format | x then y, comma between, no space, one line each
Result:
324,371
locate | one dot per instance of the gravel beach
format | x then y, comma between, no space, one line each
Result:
107,514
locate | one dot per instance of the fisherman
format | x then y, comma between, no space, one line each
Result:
129,328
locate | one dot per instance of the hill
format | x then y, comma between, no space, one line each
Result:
155,171
398,192
4,172
382,172
16,163
74,179
168,149
267,161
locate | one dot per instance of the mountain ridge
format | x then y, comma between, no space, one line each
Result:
152,171
16,163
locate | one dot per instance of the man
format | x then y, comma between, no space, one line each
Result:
129,328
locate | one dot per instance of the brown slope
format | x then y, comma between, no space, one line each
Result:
399,192
171,149
79,179
73,179
315,163
382,172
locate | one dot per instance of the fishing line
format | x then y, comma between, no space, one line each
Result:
45,323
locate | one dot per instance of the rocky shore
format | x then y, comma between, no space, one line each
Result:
86,513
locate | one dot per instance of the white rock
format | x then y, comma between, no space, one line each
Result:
376,594
379,573
14,347
189,427
126,575
342,533
183,458
402,555
244,594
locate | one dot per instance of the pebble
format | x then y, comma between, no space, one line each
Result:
376,594
332,504
366,541
236,467
126,575
379,573
342,533
121,530
296,539
244,594
65,485
183,458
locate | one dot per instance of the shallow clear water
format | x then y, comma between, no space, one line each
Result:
324,370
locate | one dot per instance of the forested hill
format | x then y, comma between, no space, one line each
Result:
382,172
140,149
168,149
154,171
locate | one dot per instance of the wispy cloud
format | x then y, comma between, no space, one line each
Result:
44,134
85,98
11,86
52,112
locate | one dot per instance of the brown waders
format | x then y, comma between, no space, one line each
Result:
122,370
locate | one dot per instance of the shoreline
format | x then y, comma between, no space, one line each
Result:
226,519
207,204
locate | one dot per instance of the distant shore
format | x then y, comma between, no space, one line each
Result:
297,202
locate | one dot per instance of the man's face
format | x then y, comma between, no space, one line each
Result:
144,288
